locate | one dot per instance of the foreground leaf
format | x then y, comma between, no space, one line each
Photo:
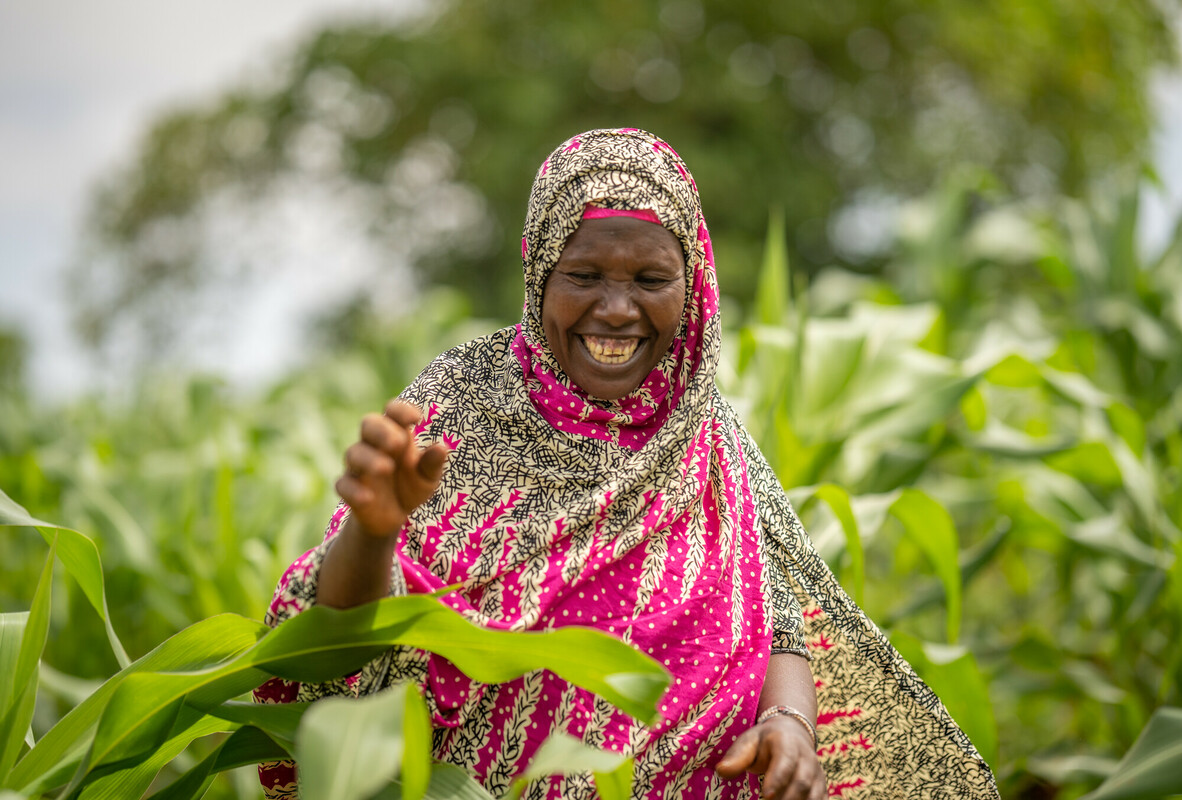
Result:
80,557
417,738
15,719
243,747
349,748
323,644
210,641
563,754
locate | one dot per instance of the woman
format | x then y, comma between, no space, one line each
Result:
583,469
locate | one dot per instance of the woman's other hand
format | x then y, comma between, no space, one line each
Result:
781,751
387,476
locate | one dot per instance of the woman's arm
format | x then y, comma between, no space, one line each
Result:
386,477
782,748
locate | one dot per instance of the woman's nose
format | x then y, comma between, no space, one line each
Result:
617,306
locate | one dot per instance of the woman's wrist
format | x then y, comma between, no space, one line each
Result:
788,711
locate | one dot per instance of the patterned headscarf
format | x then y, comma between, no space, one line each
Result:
625,170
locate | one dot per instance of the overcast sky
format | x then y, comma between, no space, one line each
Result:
79,82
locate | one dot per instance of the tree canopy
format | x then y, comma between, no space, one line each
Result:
432,129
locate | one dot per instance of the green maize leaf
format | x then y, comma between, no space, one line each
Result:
280,721
12,514
563,754
245,746
15,720
1002,440
926,405
1090,462
448,782
1128,425
621,675
417,744
771,296
12,630
1110,534
617,784
81,559
208,642
348,748
137,777
323,643
1014,371
972,561
974,409
953,675
1150,768
838,501
930,527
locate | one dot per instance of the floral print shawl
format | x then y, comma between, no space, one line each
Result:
653,518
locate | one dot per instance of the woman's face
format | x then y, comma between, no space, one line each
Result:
613,303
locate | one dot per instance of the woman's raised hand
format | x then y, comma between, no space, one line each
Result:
387,476
781,751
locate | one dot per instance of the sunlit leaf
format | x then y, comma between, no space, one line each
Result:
838,501
12,629
204,644
135,778
244,746
930,527
1090,462
323,644
81,559
771,298
617,784
347,748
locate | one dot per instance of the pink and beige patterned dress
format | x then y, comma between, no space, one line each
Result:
653,518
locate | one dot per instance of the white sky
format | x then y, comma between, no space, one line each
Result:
78,83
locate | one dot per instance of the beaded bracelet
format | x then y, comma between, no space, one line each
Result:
788,711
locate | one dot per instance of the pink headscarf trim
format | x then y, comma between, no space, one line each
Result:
597,212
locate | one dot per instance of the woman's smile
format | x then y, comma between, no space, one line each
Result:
610,351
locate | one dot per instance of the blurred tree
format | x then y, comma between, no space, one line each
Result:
13,350
428,132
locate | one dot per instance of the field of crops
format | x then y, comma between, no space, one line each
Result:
986,446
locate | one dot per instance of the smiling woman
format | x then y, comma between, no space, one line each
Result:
581,468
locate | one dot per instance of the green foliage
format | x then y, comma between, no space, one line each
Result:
993,426
429,131
113,744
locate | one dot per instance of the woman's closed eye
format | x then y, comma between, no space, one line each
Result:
654,281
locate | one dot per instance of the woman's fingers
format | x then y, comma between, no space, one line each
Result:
789,769
399,475
353,491
432,460
740,757
383,433
403,413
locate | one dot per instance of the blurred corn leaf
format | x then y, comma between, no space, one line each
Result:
1150,769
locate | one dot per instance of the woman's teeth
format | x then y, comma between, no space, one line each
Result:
610,351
